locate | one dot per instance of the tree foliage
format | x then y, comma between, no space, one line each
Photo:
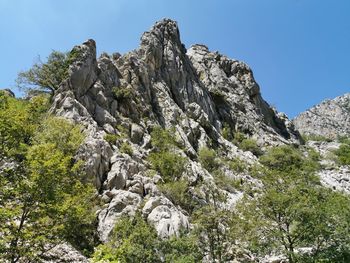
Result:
133,240
164,157
343,152
293,211
42,199
47,76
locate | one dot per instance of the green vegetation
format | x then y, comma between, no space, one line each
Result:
251,146
177,192
246,144
126,148
183,249
164,158
133,240
122,93
314,137
343,153
46,76
207,157
169,165
227,132
227,183
294,211
237,165
43,199
215,227
111,138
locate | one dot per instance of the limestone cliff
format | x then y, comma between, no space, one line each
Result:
330,118
161,83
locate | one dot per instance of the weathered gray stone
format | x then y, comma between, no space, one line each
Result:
330,118
194,91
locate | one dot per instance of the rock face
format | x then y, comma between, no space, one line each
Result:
196,91
330,119
8,92
333,175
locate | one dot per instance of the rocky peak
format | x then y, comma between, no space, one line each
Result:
330,118
195,92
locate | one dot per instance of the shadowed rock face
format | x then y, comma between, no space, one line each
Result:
160,83
8,92
330,118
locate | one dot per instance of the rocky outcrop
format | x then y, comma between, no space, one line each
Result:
332,175
196,91
64,253
330,118
8,92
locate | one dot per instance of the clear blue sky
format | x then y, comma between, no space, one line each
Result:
299,50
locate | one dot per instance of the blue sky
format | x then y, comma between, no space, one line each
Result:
299,50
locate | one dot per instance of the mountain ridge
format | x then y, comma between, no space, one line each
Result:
330,118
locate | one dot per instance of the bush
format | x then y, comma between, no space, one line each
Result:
133,240
126,148
314,137
227,132
251,146
238,138
343,154
282,158
163,139
66,136
183,249
227,183
122,94
344,139
237,165
207,158
169,165
111,138
177,192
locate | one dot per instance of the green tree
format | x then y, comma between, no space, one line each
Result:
47,76
183,249
293,211
164,158
214,226
42,199
18,121
133,240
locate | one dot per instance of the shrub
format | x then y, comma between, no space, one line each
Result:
227,132
343,154
344,139
183,249
133,240
111,138
237,165
282,158
317,138
227,183
122,93
251,146
163,139
207,158
177,192
126,148
169,165
238,138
